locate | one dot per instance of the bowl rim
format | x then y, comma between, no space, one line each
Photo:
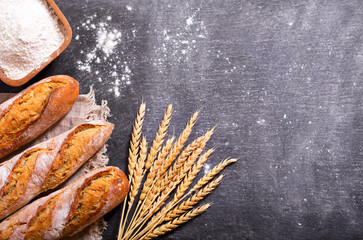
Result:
55,54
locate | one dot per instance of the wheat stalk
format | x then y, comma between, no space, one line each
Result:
176,174
166,168
179,144
184,185
135,139
139,172
167,227
174,183
159,138
212,173
154,150
158,141
142,219
163,182
133,153
155,168
136,181
187,181
193,200
195,147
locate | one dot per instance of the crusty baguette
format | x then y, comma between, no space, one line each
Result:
70,209
48,164
33,110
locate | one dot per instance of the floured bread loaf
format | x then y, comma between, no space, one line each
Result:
29,113
68,210
48,164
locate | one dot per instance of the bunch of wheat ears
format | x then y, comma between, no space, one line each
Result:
169,170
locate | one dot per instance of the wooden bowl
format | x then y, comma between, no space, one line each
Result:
56,53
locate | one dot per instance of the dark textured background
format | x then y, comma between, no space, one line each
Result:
281,79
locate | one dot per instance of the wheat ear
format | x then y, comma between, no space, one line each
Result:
139,172
133,152
161,185
195,147
189,163
181,172
141,219
187,181
193,200
167,185
179,144
212,173
180,168
135,139
158,141
159,137
167,227
155,168
137,179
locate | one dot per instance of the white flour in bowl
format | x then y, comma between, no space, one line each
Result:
29,33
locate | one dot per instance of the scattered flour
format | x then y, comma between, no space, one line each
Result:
104,57
189,21
178,44
261,121
30,33
206,168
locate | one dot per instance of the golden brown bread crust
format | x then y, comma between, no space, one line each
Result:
68,210
48,164
59,100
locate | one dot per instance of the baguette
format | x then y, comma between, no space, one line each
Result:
33,110
70,209
48,164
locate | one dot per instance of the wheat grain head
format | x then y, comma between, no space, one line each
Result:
159,137
135,140
167,227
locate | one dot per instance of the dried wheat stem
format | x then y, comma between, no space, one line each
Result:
173,170
141,219
179,168
142,230
174,183
167,227
155,168
148,185
193,200
163,185
136,180
212,173
133,152
179,144
121,226
195,154
187,181
159,138
139,172
135,140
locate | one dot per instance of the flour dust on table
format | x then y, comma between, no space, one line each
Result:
104,56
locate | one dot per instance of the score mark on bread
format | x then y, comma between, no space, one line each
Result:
68,210
32,111
48,164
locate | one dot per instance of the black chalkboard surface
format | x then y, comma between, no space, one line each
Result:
282,80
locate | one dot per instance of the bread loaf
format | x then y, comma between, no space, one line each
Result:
48,164
32,111
68,210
